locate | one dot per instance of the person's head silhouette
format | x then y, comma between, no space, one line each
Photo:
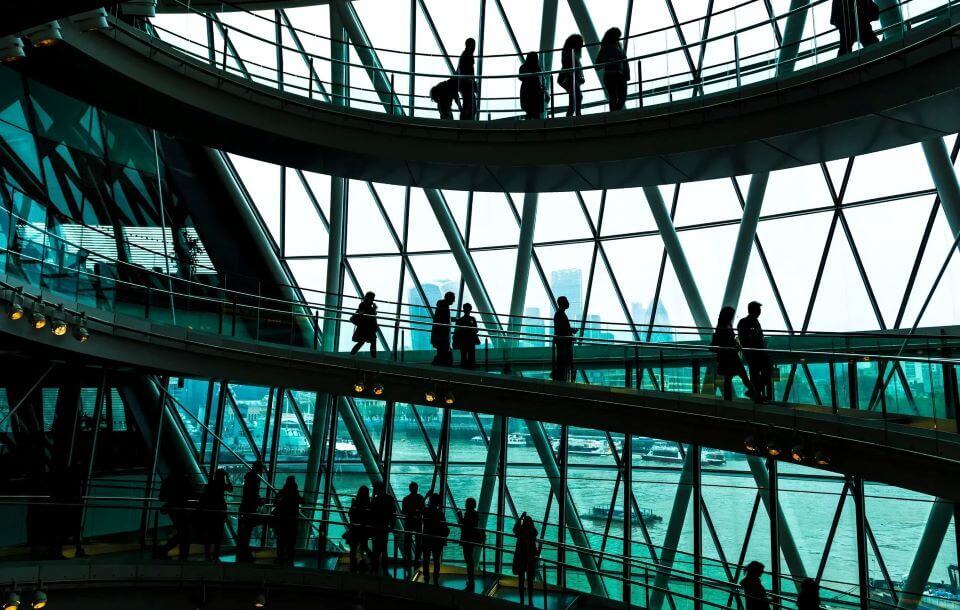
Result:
470,45
753,308
467,308
370,296
449,298
563,304
726,316
413,487
754,569
471,504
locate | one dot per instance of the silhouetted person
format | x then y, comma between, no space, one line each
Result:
365,325
213,513
562,343
751,338
381,520
466,338
728,354
440,332
176,492
412,510
444,94
808,598
526,555
470,537
754,593
851,17
248,516
359,531
286,513
571,76
466,81
532,90
435,532
615,68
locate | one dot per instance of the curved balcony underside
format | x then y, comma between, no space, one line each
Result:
895,93
902,452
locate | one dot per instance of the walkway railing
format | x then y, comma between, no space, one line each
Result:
60,520
735,60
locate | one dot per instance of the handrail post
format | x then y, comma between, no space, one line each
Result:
226,39
736,56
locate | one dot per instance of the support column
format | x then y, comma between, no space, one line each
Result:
792,33
944,179
368,455
539,437
490,468
521,276
548,36
929,546
674,528
626,463
350,21
745,238
464,260
788,545
671,242
863,560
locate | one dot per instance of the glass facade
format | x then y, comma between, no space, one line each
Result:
849,245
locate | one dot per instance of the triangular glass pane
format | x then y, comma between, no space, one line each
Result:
888,238
559,216
567,269
756,287
893,171
797,188
380,275
495,267
944,306
493,222
306,234
795,273
319,185
606,320
707,201
636,268
262,182
709,253
367,231
672,311
842,302
625,211
424,230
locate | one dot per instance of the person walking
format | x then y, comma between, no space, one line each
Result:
753,592
562,343
470,537
728,354
382,507
176,493
248,516
571,75
213,513
412,510
365,325
440,331
532,90
466,338
852,19
615,68
286,514
526,555
754,346
358,533
435,532
466,81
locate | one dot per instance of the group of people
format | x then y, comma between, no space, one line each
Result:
202,517
748,339
466,334
755,595
852,18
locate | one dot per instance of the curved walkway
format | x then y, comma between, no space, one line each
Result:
913,453
894,93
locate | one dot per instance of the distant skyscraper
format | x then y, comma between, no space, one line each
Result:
641,317
419,313
535,330
569,283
